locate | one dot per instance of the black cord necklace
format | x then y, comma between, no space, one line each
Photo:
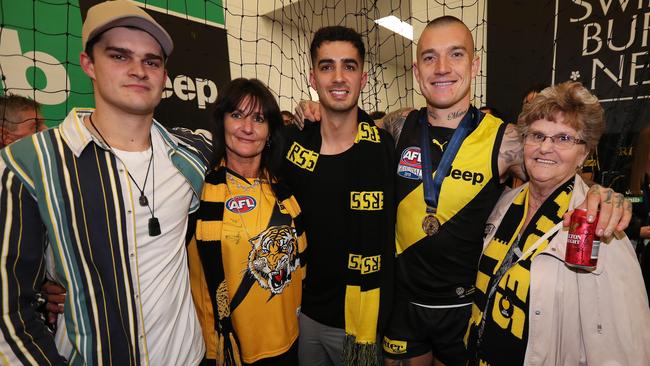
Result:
154,224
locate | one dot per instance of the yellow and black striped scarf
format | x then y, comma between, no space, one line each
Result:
509,249
208,239
369,272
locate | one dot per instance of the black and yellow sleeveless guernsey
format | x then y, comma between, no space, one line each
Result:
441,269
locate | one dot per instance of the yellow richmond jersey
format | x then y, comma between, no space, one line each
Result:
472,170
261,266
441,269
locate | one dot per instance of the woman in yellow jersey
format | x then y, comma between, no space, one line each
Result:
245,269
530,307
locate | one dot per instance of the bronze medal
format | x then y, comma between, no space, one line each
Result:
430,224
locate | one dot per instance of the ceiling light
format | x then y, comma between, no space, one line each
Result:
394,24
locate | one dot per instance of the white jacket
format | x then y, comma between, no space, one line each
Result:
584,318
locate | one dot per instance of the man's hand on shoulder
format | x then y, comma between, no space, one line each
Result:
306,109
614,211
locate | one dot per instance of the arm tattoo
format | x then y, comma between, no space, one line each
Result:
512,149
511,153
394,122
595,189
454,115
618,201
608,199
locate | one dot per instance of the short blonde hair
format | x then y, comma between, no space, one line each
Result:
580,108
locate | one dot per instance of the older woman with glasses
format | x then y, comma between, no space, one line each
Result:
530,306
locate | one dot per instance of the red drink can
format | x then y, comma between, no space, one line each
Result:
582,243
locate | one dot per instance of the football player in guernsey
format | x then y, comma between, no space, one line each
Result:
452,160
341,173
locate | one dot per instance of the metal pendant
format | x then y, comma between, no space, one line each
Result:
144,202
154,226
430,224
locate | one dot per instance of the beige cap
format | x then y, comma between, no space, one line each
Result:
123,13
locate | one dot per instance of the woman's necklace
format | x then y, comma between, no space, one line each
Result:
243,187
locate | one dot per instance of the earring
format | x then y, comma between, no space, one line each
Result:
268,142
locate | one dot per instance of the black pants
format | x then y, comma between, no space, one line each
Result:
289,358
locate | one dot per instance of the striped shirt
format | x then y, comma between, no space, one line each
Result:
65,185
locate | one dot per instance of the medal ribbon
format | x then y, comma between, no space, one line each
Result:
432,185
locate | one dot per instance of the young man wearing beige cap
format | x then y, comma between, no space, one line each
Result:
110,189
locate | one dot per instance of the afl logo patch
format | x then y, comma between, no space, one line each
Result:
241,204
410,165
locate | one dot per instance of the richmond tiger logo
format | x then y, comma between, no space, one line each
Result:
274,257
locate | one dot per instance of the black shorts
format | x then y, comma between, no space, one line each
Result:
415,330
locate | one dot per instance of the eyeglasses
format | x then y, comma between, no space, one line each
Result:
34,127
561,141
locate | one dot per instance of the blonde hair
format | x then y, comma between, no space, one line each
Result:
580,109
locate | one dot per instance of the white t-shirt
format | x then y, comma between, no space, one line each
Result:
172,333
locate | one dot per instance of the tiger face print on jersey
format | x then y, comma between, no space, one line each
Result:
272,258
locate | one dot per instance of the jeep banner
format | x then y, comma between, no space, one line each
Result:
40,44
